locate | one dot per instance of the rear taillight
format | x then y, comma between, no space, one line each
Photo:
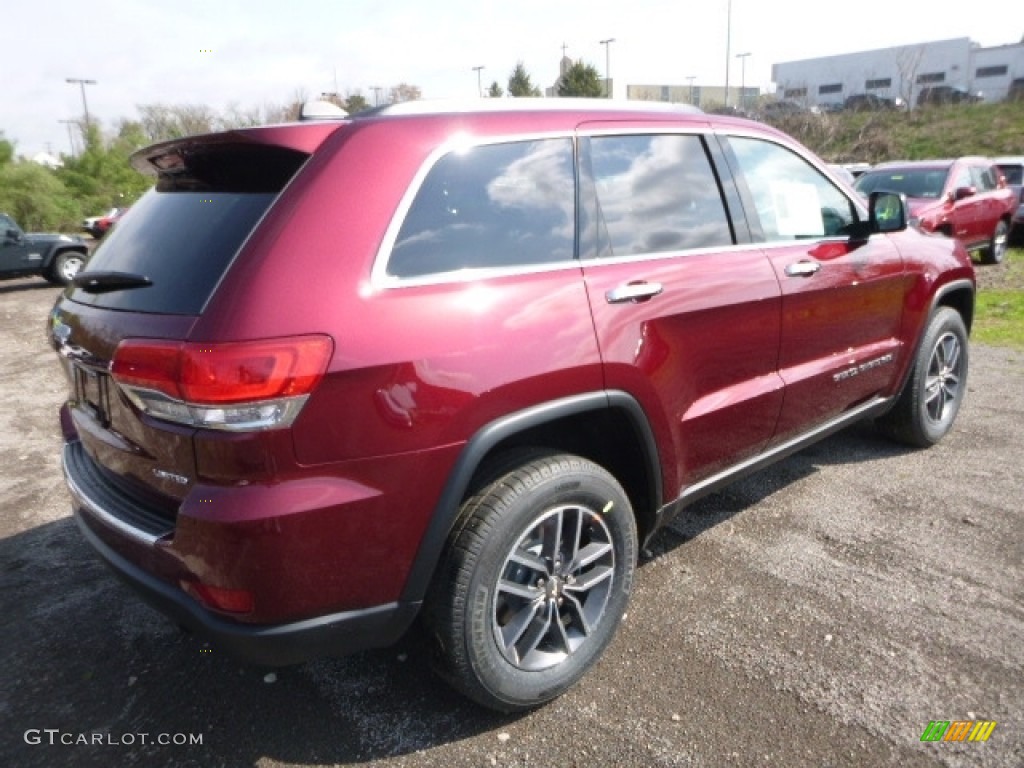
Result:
237,386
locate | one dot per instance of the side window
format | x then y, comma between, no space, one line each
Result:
982,178
962,179
656,194
494,205
792,198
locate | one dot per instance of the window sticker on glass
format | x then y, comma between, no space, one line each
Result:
797,209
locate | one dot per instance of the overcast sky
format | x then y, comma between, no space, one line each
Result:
255,53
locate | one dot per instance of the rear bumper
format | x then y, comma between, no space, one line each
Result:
277,645
157,556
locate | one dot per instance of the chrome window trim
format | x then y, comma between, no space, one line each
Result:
380,280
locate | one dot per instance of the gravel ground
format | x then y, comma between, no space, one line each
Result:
820,613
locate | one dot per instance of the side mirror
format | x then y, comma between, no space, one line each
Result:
887,211
13,234
962,192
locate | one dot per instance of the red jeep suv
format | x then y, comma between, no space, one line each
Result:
966,198
461,362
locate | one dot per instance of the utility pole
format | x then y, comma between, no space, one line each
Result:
608,66
728,48
691,78
71,141
85,105
376,94
479,83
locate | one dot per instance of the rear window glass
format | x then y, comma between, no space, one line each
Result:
183,234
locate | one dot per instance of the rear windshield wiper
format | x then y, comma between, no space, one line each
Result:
104,282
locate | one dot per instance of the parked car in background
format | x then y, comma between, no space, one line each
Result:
462,361
54,256
945,94
780,108
97,226
1012,169
871,102
104,224
966,198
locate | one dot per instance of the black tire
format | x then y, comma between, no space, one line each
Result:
997,246
534,583
929,403
65,266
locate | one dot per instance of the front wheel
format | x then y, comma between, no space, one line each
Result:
931,399
535,581
996,250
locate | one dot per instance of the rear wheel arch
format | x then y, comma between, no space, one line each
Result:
607,428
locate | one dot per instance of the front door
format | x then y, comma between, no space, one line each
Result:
841,305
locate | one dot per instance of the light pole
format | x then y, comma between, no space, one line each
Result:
479,83
85,105
71,141
608,66
728,48
691,78
743,77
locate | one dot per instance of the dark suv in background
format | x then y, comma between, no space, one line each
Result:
52,255
966,198
462,361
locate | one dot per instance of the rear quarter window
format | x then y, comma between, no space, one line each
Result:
490,206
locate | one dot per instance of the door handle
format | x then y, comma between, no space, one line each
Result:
803,268
634,292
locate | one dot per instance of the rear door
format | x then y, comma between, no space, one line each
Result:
842,297
686,319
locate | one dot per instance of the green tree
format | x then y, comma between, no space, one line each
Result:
495,91
6,150
102,176
35,197
581,80
519,84
356,103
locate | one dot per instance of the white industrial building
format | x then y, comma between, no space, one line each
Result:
901,72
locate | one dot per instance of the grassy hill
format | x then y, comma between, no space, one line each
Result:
928,132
